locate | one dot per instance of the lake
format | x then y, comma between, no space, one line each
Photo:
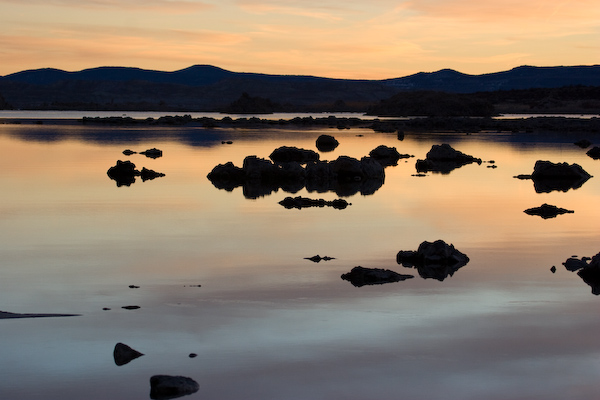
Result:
225,277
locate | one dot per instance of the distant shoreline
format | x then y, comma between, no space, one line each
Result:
389,125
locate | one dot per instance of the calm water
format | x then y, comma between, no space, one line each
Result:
266,323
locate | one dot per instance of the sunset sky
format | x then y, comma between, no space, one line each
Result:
373,39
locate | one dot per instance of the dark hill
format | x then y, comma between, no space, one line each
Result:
208,88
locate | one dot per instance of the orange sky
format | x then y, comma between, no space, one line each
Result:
345,39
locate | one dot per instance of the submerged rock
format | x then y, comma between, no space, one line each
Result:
152,153
547,211
360,276
436,260
164,387
318,258
304,202
443,158
124,354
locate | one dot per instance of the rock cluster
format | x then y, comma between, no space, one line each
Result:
124,173
588,271
361,276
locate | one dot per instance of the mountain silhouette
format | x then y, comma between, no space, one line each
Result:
209,88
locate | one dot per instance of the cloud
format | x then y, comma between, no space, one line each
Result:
162,6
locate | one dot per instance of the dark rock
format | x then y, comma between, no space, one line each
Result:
548,176
193,355
387,156
326,143
227,176
129,152
318,258
553,269
152,153
594,152
123,172
148,174
163,387
591,274
133,287
436,260
574,264
130,307
443,158
124,354
304,202
583,143
547,211
286,154
360,276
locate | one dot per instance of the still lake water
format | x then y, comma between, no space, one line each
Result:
266,323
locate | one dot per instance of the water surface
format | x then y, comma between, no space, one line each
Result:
265,322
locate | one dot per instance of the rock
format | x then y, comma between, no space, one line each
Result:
548,176
547,211
318,258
10,315
360,276
287,154
443,158
124,354
227,176
163,387
152,153
553,269
574,264
133,287
148,174
436,260
131,307
387,156
304,202
193,355
326,143
128,152
594,152
123,172
591,274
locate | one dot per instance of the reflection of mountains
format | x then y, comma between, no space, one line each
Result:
293,169
192,137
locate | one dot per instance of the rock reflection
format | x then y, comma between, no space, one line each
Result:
165,387
548,176
437,260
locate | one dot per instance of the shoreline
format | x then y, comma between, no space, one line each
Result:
388,125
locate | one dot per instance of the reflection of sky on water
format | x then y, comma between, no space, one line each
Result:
268,324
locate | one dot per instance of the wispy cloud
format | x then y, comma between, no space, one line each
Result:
162,6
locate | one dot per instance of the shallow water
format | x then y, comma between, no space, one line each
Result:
265,322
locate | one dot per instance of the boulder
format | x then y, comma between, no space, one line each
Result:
326,143
163,387
227,176
548,176
124,354
123,172
360,276
547,211
436,260
286,154
387,156
443,158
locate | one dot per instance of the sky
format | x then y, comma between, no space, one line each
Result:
350,39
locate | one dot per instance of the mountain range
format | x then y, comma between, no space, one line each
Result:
209,88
